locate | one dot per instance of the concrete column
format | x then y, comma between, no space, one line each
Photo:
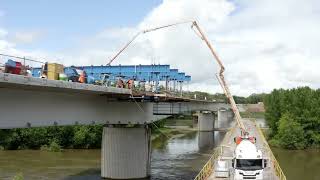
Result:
126,152
222,119
205,121
222,115
230,114
205,140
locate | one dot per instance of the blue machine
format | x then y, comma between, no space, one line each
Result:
141,73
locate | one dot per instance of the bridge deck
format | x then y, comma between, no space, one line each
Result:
13,81
227,153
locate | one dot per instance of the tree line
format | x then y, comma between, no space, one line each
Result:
220,97
66,137
293,116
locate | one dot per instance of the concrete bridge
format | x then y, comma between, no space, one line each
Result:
126,143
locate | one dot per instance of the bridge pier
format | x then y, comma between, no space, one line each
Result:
126,152
225,117
230,114
205,121
222,118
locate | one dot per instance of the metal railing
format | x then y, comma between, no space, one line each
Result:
207,169
276,166
209,166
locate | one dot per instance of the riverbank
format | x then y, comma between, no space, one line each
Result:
73,137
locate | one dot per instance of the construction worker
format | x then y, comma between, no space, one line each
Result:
130,83
82,77
120,83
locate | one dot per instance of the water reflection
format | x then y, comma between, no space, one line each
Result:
178,158
205,140
183,157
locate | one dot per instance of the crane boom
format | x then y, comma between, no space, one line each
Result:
219,76
221,79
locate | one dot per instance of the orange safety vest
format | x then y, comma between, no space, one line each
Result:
130,84
82,78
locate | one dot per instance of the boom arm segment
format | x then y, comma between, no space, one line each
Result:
221,80
220,77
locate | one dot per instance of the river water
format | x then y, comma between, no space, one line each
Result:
299,164
178,158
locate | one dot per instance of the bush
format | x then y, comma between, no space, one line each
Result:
53,147
79,136
19,176
290,134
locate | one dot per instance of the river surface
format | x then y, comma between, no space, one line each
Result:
178,158
299,164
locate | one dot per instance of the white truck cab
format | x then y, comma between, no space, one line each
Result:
248,162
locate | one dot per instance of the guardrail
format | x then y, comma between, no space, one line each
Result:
209,166
207,169
275,163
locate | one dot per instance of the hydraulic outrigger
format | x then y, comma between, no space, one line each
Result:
220,75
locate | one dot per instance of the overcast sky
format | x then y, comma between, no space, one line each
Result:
264,44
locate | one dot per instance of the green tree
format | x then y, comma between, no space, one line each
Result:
290,134
272,110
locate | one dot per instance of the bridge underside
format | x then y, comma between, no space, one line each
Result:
23,108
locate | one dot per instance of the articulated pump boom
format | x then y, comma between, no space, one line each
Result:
219,76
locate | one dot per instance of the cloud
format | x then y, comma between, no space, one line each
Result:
27,37
263,44
258,42
3,33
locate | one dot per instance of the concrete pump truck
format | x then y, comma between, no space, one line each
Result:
247,162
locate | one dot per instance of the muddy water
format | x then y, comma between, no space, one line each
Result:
299,164
178,158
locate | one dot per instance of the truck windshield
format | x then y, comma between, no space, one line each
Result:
249,164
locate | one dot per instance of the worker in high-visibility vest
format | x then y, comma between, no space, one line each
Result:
130,83
82,77
120,83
